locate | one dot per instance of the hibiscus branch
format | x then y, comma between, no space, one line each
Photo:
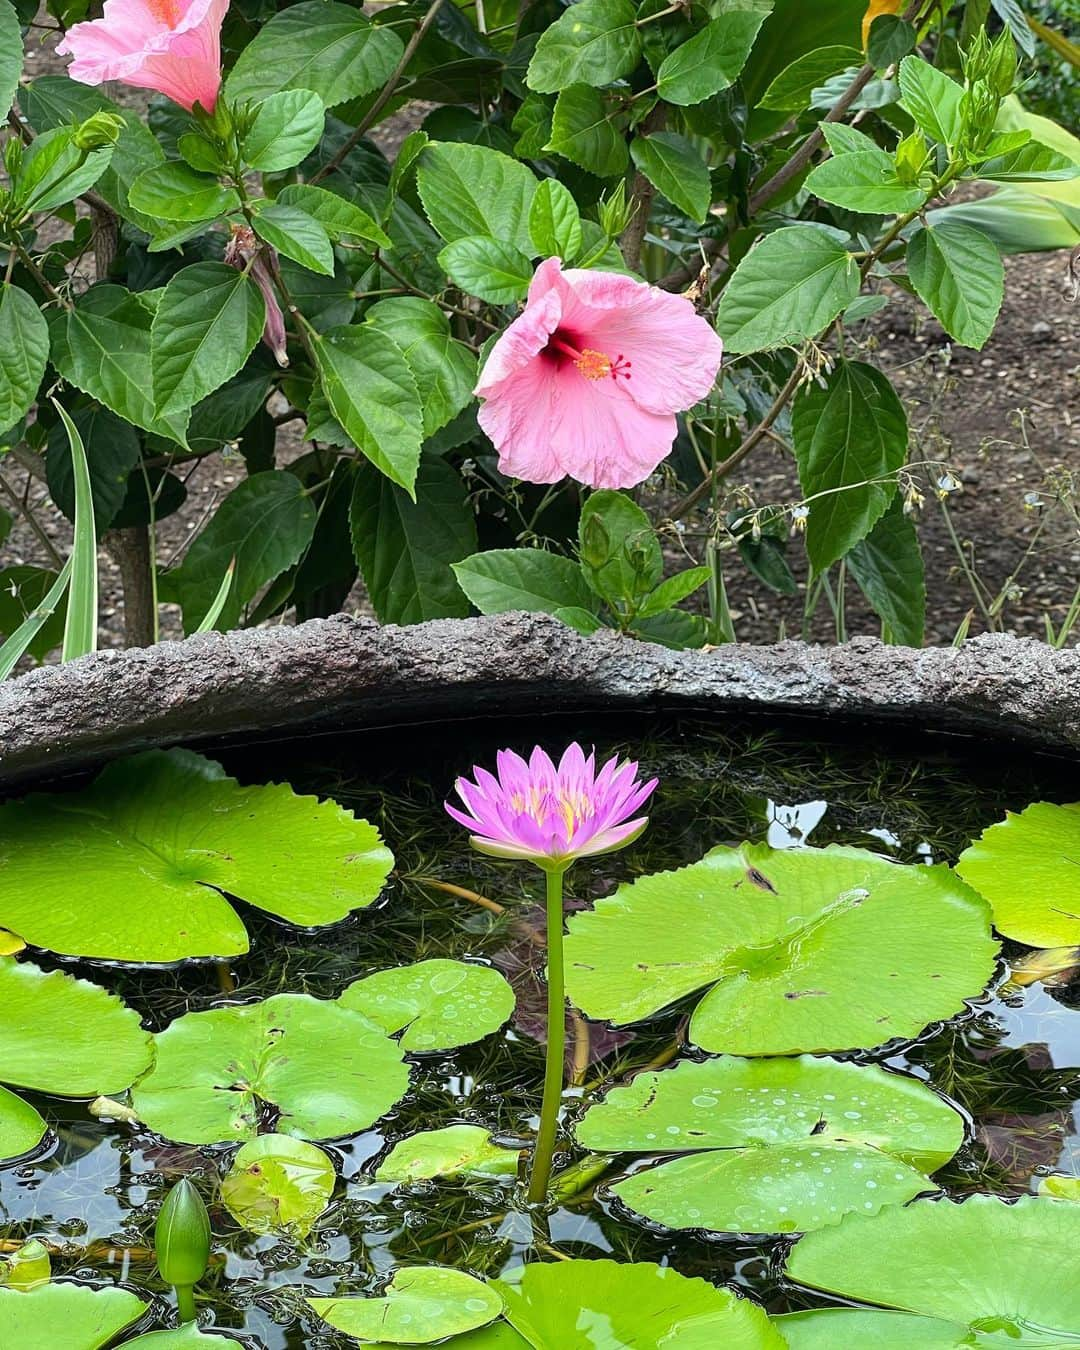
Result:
389,89
642,193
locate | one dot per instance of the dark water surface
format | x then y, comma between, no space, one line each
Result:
1012,1066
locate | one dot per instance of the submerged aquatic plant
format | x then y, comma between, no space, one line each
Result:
551,815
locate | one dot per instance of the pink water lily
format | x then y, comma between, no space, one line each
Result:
551,814
173,46
586,382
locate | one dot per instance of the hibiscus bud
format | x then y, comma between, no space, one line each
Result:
242,250
102,129
614,211
1001,67
13,157
911,157
595,543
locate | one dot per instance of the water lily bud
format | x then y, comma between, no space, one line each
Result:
29,1266
102,129
182,1236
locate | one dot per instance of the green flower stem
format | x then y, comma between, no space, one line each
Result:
185,1302
540,1172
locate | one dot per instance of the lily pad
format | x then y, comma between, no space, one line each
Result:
420,1304
21,1127
278,1184
66,1036
987,1266
1060,1186
1027,867
602,1305
452,1151
69,1315
799,949
187,1337
828,1328
774,1145
437,1005
328,1071
495,1336
136,866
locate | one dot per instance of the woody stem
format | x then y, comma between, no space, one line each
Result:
555,1051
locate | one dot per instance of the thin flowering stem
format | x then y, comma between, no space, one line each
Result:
555,1052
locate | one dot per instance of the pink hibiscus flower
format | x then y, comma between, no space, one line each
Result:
173,46
588,379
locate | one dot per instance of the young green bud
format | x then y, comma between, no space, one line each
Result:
615,212
98,131
13,157
1001,67
975,58
595,543
182,1243
911,157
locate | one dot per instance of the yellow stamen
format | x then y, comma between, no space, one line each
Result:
593,365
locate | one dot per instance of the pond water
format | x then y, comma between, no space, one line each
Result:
1011,1065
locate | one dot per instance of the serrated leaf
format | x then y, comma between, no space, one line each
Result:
592,42
291,231
102,346
285,128
24,345
487,268
787,289
933,100
112,451
405,548
675,168
712,60
555,222
173,192
865,181
443,368
888,567
208,320
329,48
340,219
850,438
505,579
958,274
792,89
471,190
582,131
265,523
11,53
372,393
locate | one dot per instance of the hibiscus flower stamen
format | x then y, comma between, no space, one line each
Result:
168,12
594,365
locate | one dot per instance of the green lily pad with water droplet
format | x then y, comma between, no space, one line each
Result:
990,1267
602,1305
137,866
71,1316
328,1071
1028,868
278,1184
436,1005
1060,1186
420,1304
454,1150
772,1145
798,949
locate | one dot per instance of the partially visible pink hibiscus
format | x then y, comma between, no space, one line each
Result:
587,381
173,46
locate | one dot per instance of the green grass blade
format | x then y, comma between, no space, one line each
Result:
22,637
80,630
214,612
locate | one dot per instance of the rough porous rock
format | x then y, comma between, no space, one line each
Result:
350,672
